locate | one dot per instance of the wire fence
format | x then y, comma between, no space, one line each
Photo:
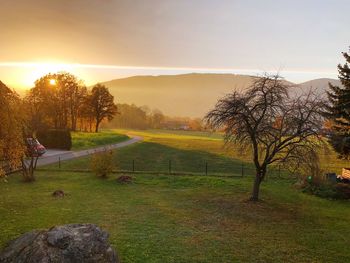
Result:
220,166
225,168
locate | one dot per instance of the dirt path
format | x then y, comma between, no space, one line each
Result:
53,156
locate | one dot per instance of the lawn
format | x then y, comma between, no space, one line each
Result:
86,140
184,218
213,143
190,152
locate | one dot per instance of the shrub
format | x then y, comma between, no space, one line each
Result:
327,189
343,190
322,190
57,139
102,163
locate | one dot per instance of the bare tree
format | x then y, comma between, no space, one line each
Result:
28,167
277,127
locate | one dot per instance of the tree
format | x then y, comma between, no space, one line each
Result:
55,101
102,104
12,146
156,119
339,110
276,127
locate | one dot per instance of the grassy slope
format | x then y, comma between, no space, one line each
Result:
213,143
86,140
189,151
184,219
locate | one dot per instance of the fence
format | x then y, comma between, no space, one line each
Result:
228,168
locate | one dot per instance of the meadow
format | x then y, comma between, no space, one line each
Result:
174,218
188,151
184,218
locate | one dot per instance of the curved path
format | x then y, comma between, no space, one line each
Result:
55,156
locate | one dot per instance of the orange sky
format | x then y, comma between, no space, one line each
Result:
303,39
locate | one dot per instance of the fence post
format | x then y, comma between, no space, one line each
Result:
59,162
169,166
242,170
133,166
206,168
279,171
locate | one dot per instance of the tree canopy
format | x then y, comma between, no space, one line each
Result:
102,104
12,147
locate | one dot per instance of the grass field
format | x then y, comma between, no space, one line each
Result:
184,219
213,143
86,140
163,218
189,152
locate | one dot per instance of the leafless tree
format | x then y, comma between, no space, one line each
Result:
277,127
28,167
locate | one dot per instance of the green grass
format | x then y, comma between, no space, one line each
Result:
86,140
213,143
190,152
184,218
162,218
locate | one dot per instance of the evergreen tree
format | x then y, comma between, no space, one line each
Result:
339,110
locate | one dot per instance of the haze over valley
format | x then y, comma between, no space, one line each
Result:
189,94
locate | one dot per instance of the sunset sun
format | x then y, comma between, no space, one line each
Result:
52,82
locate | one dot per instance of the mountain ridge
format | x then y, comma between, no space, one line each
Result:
191,94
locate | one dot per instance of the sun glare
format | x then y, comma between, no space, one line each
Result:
34,71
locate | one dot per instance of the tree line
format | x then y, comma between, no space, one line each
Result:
142,117
61,101
57,101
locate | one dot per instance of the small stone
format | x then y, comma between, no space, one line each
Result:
124,179
58,193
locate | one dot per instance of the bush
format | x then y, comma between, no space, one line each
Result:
326,189
321,190
56,139
102,163
343,190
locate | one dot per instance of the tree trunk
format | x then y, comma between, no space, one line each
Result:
256,187
96,127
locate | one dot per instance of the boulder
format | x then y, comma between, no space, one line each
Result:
67,243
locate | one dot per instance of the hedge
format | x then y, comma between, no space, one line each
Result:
56,139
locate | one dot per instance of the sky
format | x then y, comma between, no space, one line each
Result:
99,40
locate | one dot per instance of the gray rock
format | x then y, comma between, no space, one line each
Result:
67,243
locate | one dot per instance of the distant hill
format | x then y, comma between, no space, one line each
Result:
177,95
190,95
321,85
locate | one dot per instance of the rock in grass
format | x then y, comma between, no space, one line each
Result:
67,243
58,193
124,179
